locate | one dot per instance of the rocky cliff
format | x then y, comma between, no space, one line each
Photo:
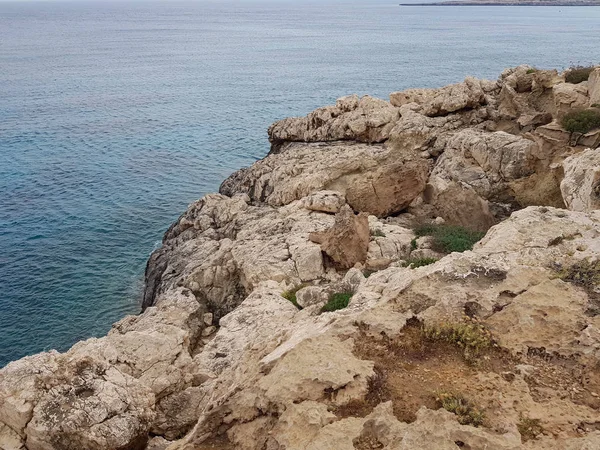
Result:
323,300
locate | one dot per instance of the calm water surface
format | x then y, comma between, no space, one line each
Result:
115,116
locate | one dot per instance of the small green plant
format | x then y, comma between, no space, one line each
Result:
291,295
337,301
467,413
450,238
377,233
578,74
413,244
581,121
595,105
529,428
368,272
413,263
533,70
469,335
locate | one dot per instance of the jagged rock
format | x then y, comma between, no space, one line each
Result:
325,201
347,242
366,120
389,189
581,184
569,96
458,204
594,86
485,161
273,376
436,102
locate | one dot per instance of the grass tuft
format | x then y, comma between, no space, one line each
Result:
529,71
581,121
337,301
470,335
291,295
413,263
450,238
529,429
467,413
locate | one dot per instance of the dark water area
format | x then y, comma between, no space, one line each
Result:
115,116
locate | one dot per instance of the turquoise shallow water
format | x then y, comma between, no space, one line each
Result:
115,116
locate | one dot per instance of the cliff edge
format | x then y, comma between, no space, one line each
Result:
416,273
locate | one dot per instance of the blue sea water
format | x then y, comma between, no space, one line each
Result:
115,116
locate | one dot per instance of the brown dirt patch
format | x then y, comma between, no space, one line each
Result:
573,381
411,369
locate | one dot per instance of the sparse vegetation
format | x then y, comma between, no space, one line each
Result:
377,233
413,244
533,70
529,428
291,295
413,263
578,74
595,105
467,413
337,301
450,238
585,274
581,121
469,335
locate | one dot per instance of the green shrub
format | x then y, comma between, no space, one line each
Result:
581,121
578,74
534,70
413,244
413,263
291,295
450,238
529,428
595,105
337,301
467,413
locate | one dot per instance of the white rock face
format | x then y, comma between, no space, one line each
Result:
581,185
364,120
435,102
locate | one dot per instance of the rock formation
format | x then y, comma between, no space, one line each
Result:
302,308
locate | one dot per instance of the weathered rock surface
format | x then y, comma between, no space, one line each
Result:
220,359
581,185
364,120
347,241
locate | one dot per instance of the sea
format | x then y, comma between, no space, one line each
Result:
114,116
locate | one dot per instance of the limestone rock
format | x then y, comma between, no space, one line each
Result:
366,120
325,201
581,184
569,96
594,86
436,102
347,242
389,189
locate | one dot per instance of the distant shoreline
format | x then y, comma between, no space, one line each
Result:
508,3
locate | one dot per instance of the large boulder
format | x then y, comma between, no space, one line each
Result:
486,162
449,99
594,86
347,242
364,120
373,178
580,186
